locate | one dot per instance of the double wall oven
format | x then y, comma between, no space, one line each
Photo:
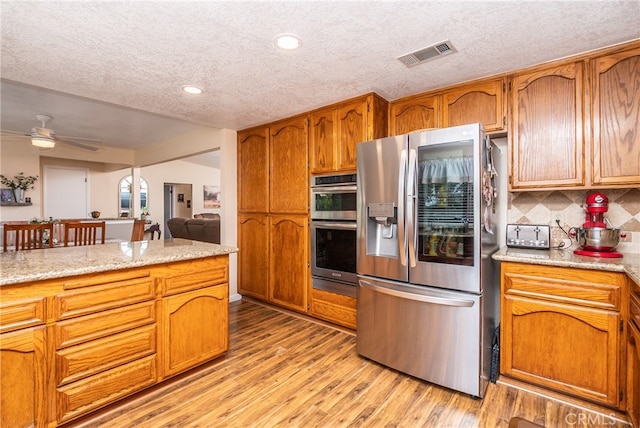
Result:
333,233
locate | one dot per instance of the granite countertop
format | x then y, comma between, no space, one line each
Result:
629,263
36,265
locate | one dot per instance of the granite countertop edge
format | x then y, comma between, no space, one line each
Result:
38,265
629,263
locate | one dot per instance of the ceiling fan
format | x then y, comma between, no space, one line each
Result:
45,138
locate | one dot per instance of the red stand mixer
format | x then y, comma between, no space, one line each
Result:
594,237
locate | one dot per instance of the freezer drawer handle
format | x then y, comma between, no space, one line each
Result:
418,297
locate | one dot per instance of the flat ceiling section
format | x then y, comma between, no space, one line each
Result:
114,70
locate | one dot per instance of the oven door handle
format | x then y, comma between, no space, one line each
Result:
462,303
334,189
347,225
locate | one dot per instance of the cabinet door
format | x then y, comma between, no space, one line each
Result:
616,114
323,141
253,259
289,261
481,102
289,192
253,170
414,113
196,327
546,140
571,349
633,375
23,378
352,129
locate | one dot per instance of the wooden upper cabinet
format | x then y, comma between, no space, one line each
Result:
253,170
336,130
481,102
413,114
289,179
546,139
352,129
323,141
615,118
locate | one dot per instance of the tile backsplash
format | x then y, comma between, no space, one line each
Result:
541,207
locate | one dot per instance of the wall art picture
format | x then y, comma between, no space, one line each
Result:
211,196
6,195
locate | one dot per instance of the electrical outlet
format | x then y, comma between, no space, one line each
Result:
557,217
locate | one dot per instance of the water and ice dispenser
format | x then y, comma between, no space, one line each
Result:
382,229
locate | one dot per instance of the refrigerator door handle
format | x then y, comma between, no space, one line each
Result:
411,196
402,234
462,303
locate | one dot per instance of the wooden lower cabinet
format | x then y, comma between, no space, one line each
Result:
633,355
23,372
333,307
633,375
191,327
253,259
289,261
73,345
563,329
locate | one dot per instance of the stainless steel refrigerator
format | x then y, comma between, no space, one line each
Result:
428,290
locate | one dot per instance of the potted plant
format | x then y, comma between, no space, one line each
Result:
19,184
145,214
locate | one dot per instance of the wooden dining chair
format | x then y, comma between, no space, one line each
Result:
27,236
85,233
137,234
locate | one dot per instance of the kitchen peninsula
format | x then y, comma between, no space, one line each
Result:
82,327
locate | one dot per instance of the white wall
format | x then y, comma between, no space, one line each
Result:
229,205
17,157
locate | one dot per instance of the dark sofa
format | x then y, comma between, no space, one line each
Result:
197,229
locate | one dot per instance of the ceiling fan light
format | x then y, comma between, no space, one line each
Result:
43,142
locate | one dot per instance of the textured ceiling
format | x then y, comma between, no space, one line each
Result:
122,63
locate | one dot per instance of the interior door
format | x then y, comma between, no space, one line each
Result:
65,192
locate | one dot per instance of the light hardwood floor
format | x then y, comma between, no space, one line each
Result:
284,370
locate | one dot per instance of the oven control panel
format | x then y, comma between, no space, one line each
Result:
533,236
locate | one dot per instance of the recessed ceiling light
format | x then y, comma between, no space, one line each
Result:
191,89
288,41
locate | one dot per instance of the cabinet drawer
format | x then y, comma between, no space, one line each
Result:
15,315
102,324
87,300
583,287
91,393
93,357
192,275
333,307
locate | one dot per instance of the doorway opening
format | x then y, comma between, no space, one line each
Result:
178,199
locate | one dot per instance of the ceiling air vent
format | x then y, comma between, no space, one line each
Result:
427,54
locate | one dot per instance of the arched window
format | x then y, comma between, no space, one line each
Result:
126,210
